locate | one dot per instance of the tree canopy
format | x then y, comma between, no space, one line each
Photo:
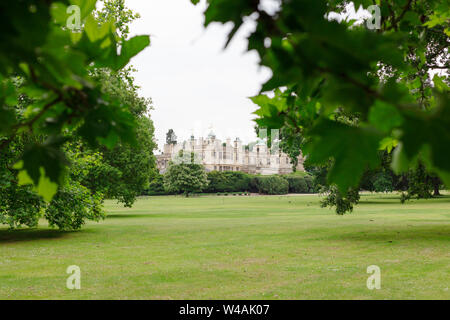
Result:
185,178
56,65
185,174
73,128
351,90
171,138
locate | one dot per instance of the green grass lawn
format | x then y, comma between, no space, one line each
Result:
274,247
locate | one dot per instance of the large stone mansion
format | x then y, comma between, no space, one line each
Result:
229,155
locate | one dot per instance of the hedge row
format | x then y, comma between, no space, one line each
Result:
271,184
228,181
235,181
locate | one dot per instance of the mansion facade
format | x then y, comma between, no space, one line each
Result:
213,154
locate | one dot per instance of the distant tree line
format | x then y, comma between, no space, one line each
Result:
188,178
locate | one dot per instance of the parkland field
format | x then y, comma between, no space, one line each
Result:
237,247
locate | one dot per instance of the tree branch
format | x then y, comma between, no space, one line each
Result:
405,9
435,66
29,123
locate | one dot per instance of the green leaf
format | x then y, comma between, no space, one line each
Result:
384,116
44,188
388,144
271,110
400,162
425,136
86,6
42,162
130,48
353,150
110,141
59,13
107,121
229,10
440,84
94,31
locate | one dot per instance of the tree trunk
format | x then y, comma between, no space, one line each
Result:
436,189
436,184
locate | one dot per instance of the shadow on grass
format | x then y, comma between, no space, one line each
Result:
7,236
363,202
197,215
149,215
408,232
125,215
385,200
391,196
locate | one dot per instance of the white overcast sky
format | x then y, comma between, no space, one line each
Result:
193,82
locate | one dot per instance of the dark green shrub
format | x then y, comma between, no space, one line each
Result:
228,181
253,185
310,183
420,183
367,180
318,174
156,186
297,184
237,181
217,182
382,182
272,185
